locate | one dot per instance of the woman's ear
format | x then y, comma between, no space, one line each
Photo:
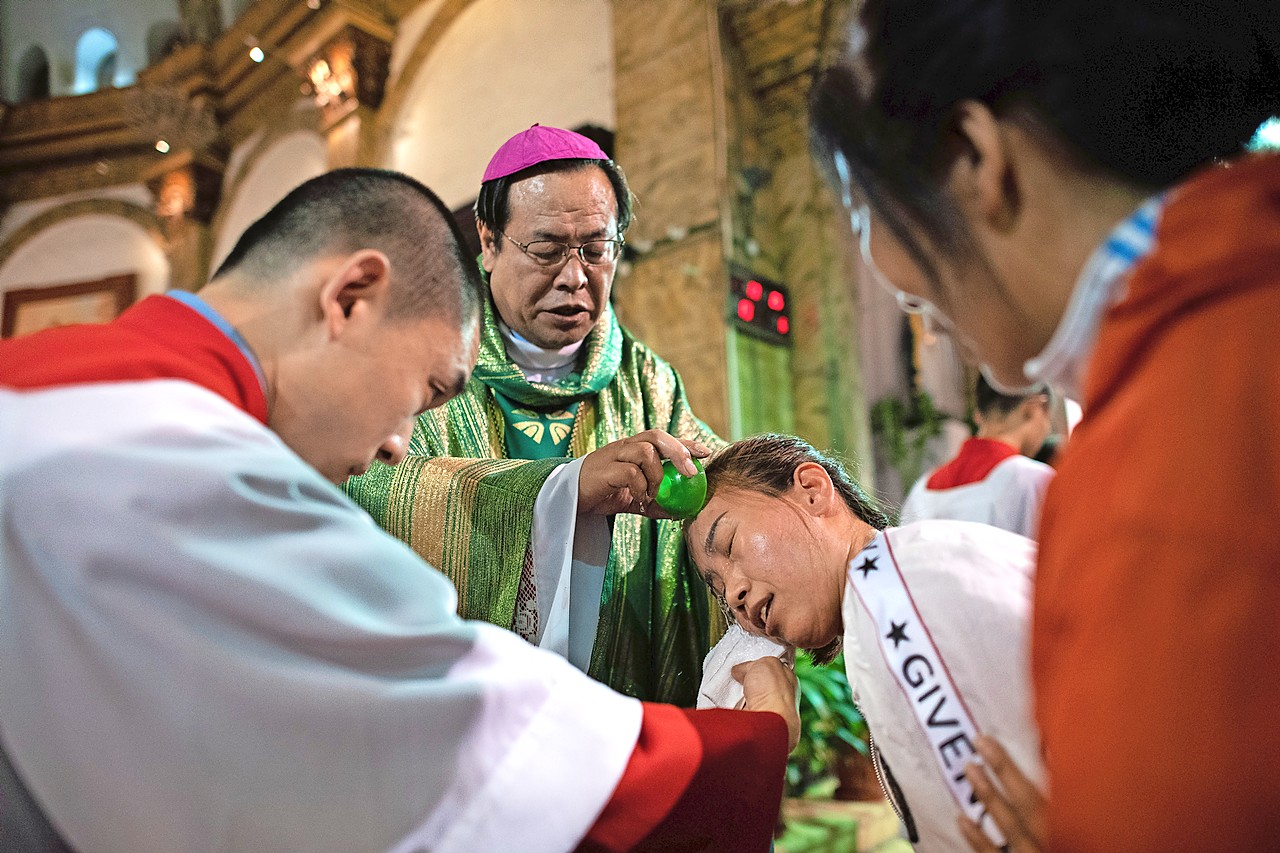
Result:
812,486
982,178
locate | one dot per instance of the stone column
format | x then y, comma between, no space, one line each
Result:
785,221
670,142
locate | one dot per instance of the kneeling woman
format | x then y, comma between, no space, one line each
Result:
932,616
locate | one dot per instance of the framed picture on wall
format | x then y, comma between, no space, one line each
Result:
35,308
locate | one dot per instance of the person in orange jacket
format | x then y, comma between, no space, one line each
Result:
1062,185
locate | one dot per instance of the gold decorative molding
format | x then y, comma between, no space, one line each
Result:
72,143
347,71
186,186
170,116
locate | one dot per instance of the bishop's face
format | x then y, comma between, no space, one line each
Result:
552,306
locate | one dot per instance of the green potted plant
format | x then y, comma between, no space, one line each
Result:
904,428
833,736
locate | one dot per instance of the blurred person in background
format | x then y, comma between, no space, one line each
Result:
995,478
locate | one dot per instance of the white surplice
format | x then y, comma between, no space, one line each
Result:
205,646
1009,497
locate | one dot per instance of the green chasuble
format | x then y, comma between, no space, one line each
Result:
463,499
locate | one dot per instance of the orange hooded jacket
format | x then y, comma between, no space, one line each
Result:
1156,641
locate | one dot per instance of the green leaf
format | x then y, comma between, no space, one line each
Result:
811,694
829,724
853,741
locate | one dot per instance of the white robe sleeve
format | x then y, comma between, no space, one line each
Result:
1010,497
570,553
913,507
204,646
1024,483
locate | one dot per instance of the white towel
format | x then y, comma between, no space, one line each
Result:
718,689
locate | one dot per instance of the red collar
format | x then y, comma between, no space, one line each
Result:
976,459
158,338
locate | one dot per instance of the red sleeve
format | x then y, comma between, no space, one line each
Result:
697,780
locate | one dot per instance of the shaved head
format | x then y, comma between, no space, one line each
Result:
346,210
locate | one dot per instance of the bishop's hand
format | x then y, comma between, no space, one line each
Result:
623,476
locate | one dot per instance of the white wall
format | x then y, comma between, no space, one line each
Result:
267,178
409,32
502,66
86,248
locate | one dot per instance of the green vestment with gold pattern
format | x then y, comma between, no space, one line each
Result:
466,508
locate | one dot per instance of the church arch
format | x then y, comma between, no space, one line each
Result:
96,52
476,75
86,240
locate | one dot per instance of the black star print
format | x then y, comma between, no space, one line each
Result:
897,633
868,566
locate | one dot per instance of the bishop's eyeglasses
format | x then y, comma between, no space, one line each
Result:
552,253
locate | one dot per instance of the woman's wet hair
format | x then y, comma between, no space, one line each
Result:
1141,91
766,464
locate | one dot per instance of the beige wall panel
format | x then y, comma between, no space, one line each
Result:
673,300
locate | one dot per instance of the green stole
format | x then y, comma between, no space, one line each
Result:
464,501
534,434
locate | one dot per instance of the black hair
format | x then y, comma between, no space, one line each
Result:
988,401
766,463
346,210
1048,452
1142,91
493,211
